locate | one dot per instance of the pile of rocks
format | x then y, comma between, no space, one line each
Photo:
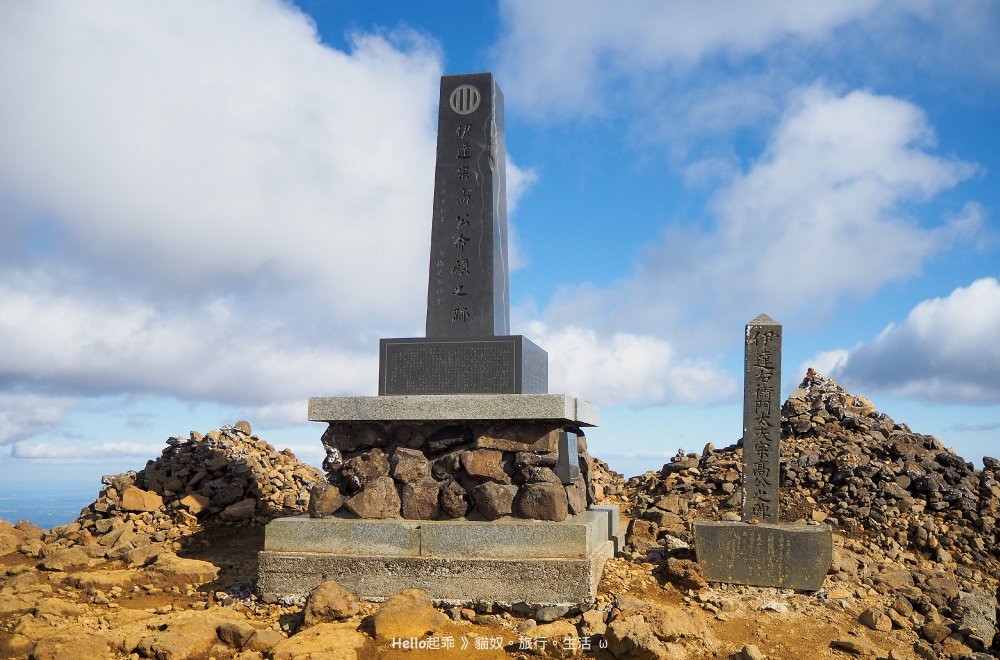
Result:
228,475
479,471
915,518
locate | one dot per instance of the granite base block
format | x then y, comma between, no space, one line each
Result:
453,407
790,556
509,364
509,561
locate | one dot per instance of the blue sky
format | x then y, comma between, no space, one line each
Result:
212,211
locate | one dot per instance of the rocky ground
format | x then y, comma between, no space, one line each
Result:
162,564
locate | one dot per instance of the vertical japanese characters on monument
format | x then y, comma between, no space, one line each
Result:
761,420
467,291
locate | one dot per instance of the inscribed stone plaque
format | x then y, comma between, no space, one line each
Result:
791,556
761,419
496,365
467,289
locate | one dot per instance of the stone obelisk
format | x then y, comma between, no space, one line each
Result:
468,348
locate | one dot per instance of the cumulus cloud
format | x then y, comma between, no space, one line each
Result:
946,350
96,345
24,415
218,148
565,58
832,188
626,368
559,57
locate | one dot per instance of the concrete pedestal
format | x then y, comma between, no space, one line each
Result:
507,561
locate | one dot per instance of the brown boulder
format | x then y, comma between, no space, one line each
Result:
242,510
420,500
876,620
324,500
379,499
409,465
195,503
485,464
494,500
65,560
364,468
576,496
454,503
631,637
520,436
171,570
684,573
408,614
330,641
10,538
76,644
543,502
136,499
329,602
235,633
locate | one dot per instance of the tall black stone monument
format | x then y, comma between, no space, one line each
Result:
468,348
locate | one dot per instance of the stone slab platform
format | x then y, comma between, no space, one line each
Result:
508,561
453,407
790,556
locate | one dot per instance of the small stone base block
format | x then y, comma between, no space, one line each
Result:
508,561
790,556
510,364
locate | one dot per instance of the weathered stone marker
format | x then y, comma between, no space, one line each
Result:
468,348
759,550
761,419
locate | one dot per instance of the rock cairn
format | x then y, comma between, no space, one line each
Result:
913,517
223,476
427,471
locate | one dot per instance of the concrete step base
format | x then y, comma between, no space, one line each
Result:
508,562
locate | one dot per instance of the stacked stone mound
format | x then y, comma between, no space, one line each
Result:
428,471
224,476
915,518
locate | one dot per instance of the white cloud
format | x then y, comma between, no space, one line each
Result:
946,350
563,58
821,215
24,415
639,370
47,451
220,147
69,342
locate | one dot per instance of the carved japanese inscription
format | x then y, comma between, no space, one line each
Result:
761,420
467,292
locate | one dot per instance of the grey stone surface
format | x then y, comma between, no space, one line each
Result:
467,292
449,580
505,538
791,556
508,364
568,467
507,561
511,538
343,536
761,419
455,407
614,517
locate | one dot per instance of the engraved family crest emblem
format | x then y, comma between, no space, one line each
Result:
465,99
